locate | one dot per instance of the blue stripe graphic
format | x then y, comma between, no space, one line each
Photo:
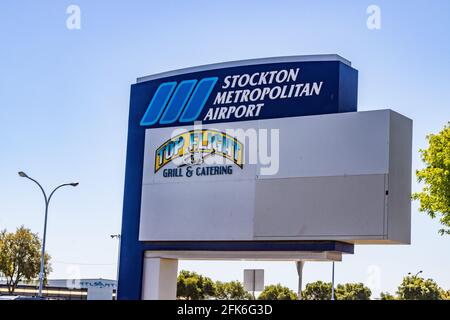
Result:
178,101
159,101
198,99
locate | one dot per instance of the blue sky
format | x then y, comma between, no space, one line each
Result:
64,105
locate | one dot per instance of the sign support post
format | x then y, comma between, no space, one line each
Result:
300,265
159,279
332,282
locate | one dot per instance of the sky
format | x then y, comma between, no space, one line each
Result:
64,98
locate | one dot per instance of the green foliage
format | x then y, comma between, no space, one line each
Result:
233,290
20,257
387,296
435,195
277,292
417,288
317,291
349,291
192,286
352,291
445,295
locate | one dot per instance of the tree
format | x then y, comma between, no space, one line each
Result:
435,195
317,291
192,286
417,288
233,290
352,291
445,295
20,257
387,296
349,291
277,292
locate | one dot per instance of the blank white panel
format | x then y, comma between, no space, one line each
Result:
330,145
325,207
201,211
254,279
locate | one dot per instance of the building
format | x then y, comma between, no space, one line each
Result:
68,289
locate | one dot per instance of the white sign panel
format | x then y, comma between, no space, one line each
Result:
254,280
327,177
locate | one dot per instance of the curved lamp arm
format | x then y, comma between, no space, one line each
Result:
42,189
47,200
63,185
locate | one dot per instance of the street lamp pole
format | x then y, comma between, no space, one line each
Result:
47,201
415,276
118,237
332,282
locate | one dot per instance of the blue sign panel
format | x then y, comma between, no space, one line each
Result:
229,92
262,91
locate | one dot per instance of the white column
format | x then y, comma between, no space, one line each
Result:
299,264
159,279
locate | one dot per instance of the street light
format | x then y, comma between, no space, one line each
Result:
47,201
332,282
118,237
415,276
